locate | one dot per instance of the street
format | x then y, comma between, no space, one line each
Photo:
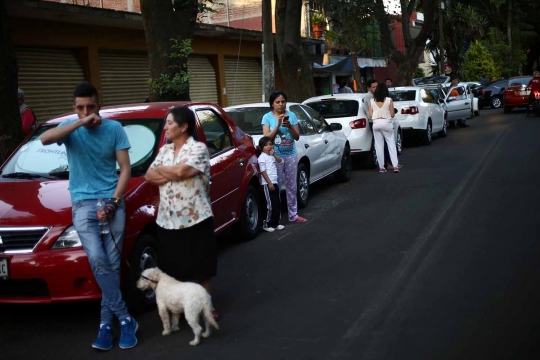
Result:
440,261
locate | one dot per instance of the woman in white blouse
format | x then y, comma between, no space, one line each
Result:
381,110
187,248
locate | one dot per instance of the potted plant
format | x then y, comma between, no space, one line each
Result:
317,24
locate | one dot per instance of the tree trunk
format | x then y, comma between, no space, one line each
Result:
11,133
268,39
408,62
356,73
164,20
509,28
295,62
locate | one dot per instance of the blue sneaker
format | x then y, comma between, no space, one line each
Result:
105,337
128,328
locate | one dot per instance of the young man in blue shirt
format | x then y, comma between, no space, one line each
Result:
94,146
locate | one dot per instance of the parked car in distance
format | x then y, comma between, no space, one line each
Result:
431,80
321,150
348,110
516,93
492,94
41,255
419,111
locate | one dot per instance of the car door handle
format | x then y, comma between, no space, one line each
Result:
241,162
466,103
306,146
326,141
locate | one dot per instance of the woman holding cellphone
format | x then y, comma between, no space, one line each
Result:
282,126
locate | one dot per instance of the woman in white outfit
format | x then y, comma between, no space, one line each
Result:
382,111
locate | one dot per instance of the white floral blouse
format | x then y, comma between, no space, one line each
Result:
187,202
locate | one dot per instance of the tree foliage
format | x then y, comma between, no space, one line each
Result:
176,81
479,63
508,60
462,25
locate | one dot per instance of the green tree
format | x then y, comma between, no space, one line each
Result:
420,73
354,28
294,60
167,26
11,133
508,60
408,62
478,63
462,25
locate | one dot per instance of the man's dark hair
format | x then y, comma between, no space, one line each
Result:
381,93
388,79
85,89
370,82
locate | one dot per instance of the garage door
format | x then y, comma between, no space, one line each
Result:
244,80
202,83
48,78
124,77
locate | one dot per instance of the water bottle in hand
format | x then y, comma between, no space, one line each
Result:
103,222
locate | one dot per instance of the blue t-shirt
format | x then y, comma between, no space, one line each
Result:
284,142
91,157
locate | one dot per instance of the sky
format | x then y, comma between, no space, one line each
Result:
393,6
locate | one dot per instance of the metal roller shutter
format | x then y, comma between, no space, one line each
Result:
48,78
124,77
244,81
202,83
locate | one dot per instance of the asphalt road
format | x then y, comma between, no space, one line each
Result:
440,261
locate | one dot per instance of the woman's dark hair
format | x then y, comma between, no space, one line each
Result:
274,96
183,115
381,92
263,141
85,89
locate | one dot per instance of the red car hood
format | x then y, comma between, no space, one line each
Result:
35,203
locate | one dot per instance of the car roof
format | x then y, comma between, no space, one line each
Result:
520,77
353,96
407,88
148,110
255,105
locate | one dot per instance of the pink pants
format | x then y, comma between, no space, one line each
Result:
288,171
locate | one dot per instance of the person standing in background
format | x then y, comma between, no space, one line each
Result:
28,118
389,83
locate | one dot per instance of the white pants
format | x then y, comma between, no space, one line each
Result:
384,130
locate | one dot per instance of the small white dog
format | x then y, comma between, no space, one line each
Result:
179,297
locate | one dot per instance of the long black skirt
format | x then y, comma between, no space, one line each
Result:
188,254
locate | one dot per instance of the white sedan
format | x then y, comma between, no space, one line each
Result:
347,110
321,149
419,111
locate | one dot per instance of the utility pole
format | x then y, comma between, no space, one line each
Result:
268,50
441,36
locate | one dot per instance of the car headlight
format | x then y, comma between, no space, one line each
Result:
69,239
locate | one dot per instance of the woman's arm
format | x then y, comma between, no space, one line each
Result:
177,172
392,112
155,178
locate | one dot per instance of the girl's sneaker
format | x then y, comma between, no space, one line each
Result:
382,170
396,169
269,229
280,227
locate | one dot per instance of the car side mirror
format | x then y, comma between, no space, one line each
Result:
335,127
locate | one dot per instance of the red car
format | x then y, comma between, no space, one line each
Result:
41,258
516,94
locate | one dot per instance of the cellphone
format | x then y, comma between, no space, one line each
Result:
286,118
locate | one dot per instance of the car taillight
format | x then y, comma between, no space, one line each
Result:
536,94
411,110
484,92
358,124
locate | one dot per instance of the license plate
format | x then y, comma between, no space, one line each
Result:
4,268
522,93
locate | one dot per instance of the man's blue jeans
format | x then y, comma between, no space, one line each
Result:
104,256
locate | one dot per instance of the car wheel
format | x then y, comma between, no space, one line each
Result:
444,130
477,113
496,102
144,256
451,124
247,226
399,142
507,109
302,185
344,173
427,135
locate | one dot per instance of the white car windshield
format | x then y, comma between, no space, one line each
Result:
331,109
33,159
403,95
249,119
